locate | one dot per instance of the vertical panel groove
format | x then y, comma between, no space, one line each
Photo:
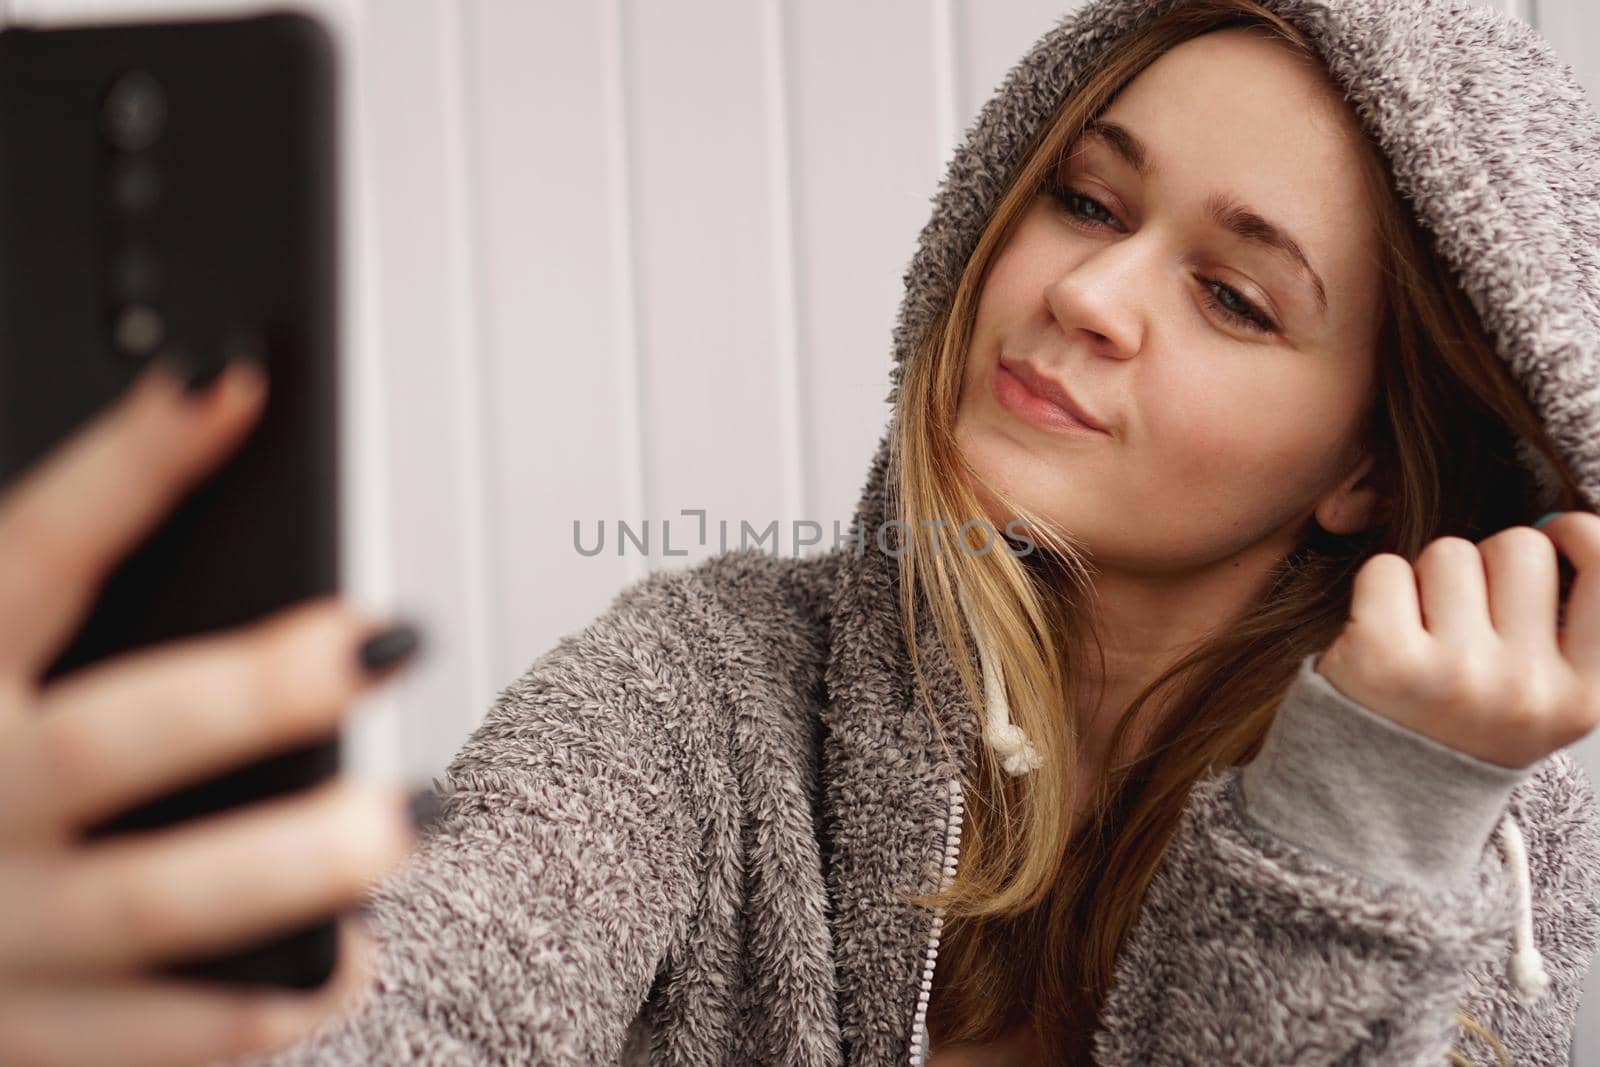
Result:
781,207
375,741
945,88
473,474
625,348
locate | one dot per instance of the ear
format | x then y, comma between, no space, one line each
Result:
1353,504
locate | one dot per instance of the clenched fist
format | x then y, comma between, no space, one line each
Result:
1464,646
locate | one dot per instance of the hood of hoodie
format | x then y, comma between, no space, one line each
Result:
1496,147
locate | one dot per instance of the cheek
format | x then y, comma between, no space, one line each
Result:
1012,296
1242,435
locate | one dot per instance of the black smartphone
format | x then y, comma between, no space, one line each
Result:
172,187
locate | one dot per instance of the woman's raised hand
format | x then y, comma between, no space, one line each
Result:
80,920
1464,647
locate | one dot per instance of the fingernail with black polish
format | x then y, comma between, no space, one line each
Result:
195,373
180,365
424,807
248,347
203,377
198,373
388,647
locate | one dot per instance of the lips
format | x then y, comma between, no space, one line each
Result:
1050,389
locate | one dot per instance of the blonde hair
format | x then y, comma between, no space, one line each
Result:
1038,909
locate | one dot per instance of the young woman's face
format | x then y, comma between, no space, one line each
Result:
1229,382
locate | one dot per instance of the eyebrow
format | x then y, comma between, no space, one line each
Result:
1221,208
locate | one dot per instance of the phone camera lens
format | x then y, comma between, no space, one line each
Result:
135,185
135,111
138,330
135,274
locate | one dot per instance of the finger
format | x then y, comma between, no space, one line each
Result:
1520,565
1576,535
68,520
1383,598
202,886
141,1023
138,725
1454,592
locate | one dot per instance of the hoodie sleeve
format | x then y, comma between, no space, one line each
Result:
530,922
1337,900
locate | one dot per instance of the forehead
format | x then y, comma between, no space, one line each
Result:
1232,112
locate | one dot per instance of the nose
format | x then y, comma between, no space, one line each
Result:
1098,299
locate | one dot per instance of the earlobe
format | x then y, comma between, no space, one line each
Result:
1353,504
1349,513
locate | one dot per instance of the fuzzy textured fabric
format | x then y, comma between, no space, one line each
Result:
679,836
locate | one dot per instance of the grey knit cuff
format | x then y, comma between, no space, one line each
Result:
1371,795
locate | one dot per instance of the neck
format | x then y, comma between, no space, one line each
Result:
1147,621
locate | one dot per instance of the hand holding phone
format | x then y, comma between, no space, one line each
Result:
81,919
168,193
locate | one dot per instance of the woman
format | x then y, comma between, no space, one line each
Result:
1243,744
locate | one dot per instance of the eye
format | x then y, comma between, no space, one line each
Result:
1075,202
1221,299
1227,302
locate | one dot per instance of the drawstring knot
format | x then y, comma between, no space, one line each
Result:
1017,754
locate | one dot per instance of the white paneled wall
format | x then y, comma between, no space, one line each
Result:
610,260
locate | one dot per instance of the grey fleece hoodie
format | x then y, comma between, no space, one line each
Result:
679,836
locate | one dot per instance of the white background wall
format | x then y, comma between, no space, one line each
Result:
611,260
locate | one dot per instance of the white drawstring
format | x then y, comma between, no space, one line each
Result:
1528,976
1016,752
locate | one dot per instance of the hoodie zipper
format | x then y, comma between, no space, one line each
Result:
952,851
